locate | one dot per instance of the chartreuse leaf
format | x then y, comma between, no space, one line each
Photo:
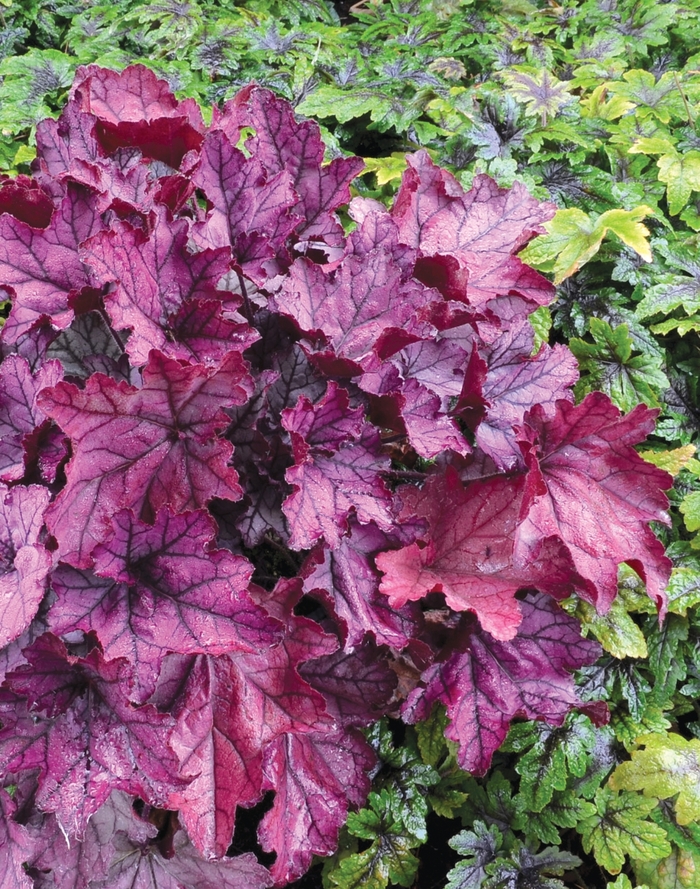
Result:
345,105
573,237
681,173
430,735
478,848
615,630
680,870
683,589
690,509
389,857
620,827
386,169
541,92
608,365
624,882
667,766
667,656
672,460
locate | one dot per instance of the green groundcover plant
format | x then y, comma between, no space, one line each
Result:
593,106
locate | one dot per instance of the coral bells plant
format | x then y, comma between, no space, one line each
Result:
265,481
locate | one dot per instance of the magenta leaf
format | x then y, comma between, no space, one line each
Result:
24,562
135,108
16,846
328,487
468,555
142,448
429,429
365,301
159,589
486,682
42,267
155,275
91,739
142,866
19,414
25,199
251,212
59,863
515,380
596,494
283,144
315,777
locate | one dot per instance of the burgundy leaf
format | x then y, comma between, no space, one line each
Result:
283,144
357,684
76,864
142,866
469,552
315,778
25,199
24,562
42,266
91,740
161,588
155,274
228,710
134,108
596,494
486,682
60,143
516,380
362,303
142,448
19,412
429,429
16,847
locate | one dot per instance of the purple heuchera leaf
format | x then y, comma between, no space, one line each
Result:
20,415
84,735
485,682
154,275
315,777
42,267
338,473
24,562
170,471
159,589
596,494
142,448
16,847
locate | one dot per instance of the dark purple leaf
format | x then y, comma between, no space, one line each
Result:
155,275
91,739
134,108
315,778
42,267
16,847
348,583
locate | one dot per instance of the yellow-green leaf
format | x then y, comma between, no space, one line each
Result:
671,461
573,237
616,631
669,765
681,870
681,173
387,169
